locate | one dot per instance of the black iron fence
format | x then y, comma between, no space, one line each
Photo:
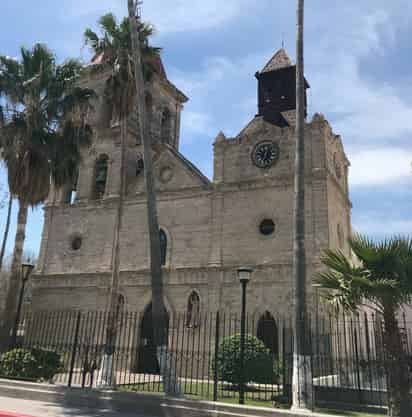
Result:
348,361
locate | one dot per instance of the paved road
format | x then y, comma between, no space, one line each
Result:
25,408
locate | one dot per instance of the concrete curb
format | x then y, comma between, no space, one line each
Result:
150,404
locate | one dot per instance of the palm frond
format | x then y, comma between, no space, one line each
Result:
108,24
383,275
48,126
92,39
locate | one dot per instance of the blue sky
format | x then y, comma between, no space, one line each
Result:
358,63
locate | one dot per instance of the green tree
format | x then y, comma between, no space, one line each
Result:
113,52
44,123
380,276
259,364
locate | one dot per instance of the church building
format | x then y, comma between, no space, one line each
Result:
208,227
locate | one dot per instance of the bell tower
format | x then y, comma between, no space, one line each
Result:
277,89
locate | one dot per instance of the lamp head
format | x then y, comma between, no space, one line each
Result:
244,273
26,269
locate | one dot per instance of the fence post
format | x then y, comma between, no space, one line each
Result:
215,373
358,375
74,348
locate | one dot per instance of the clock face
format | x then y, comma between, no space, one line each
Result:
265,154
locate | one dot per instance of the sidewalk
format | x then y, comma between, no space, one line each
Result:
28,408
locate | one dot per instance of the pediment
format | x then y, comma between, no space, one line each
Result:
259,129
173,172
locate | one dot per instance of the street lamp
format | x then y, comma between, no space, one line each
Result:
244,273
26,270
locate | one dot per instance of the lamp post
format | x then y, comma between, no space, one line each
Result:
26,270
243,274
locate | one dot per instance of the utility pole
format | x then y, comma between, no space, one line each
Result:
302,370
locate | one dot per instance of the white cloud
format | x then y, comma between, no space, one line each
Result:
176,16
363,110
377,226
381,166
191,15
80,8
196,123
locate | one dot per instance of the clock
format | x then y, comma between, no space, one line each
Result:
265,154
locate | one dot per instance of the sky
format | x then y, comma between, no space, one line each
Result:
358,63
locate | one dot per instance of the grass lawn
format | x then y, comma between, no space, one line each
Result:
204,391
348,413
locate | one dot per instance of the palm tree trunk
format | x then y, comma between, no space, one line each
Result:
107,377
397,368
15,277
6,231
302,375
159,319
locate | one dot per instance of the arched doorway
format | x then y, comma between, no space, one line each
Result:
267,332
147,361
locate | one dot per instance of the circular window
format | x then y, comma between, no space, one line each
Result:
267,227
166,174
76,243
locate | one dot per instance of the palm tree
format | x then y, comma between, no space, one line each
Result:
113,51
302,377
380,276
45,120
6,230
159,318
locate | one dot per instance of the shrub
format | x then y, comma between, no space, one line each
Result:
259,365
49,363
35,364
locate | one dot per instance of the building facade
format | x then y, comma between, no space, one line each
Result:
243,216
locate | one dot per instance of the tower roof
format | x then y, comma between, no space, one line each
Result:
280,60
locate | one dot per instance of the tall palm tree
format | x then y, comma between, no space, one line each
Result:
6,230
159,318
46,121
380,276
113,51
302,377
10,200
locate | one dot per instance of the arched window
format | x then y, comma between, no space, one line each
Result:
100,176
193,310
267,332
163,247
71,189
139,165
165,126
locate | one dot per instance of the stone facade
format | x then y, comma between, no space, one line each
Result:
212,226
